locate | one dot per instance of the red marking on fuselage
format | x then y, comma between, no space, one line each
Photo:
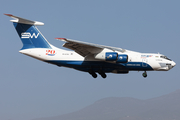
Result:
51,52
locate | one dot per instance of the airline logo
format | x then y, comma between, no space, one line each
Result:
110,56
120,57
50,52
146,56
29,35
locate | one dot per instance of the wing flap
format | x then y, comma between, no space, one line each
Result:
77,48
84,48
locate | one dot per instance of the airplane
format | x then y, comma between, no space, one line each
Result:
86,57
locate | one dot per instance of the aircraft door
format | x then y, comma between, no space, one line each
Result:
144,62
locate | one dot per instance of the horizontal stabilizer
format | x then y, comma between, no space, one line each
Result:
24,21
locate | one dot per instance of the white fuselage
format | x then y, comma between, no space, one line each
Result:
141,61
87,57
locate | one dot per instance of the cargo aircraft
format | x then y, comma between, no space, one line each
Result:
86,57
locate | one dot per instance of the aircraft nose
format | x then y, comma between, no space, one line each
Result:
173,64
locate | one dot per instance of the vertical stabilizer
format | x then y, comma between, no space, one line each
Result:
29,34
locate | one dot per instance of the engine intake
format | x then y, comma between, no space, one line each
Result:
107,56
111,56
122,58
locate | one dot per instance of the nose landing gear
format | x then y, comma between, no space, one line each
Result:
144,74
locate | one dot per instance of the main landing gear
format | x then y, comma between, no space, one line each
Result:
94,75
144,74
103,75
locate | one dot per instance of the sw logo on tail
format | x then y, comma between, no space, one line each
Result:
28,35
86,57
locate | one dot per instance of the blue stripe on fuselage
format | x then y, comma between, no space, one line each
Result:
100,65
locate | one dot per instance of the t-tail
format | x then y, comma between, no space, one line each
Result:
29,34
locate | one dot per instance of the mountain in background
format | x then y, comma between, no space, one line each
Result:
166,107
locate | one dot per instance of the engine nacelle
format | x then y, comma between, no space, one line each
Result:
122,58
111,56
107,56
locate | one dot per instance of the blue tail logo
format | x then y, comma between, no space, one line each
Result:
28,35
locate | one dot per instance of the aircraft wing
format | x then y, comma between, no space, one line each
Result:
84,48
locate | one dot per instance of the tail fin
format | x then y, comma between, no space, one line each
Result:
30,36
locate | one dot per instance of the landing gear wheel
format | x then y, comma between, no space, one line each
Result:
103,75
94,75
144,74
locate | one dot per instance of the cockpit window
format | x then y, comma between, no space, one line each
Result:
165,58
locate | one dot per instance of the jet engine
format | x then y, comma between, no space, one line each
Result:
122,58
108,55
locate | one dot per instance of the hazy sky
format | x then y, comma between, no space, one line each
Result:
31,89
